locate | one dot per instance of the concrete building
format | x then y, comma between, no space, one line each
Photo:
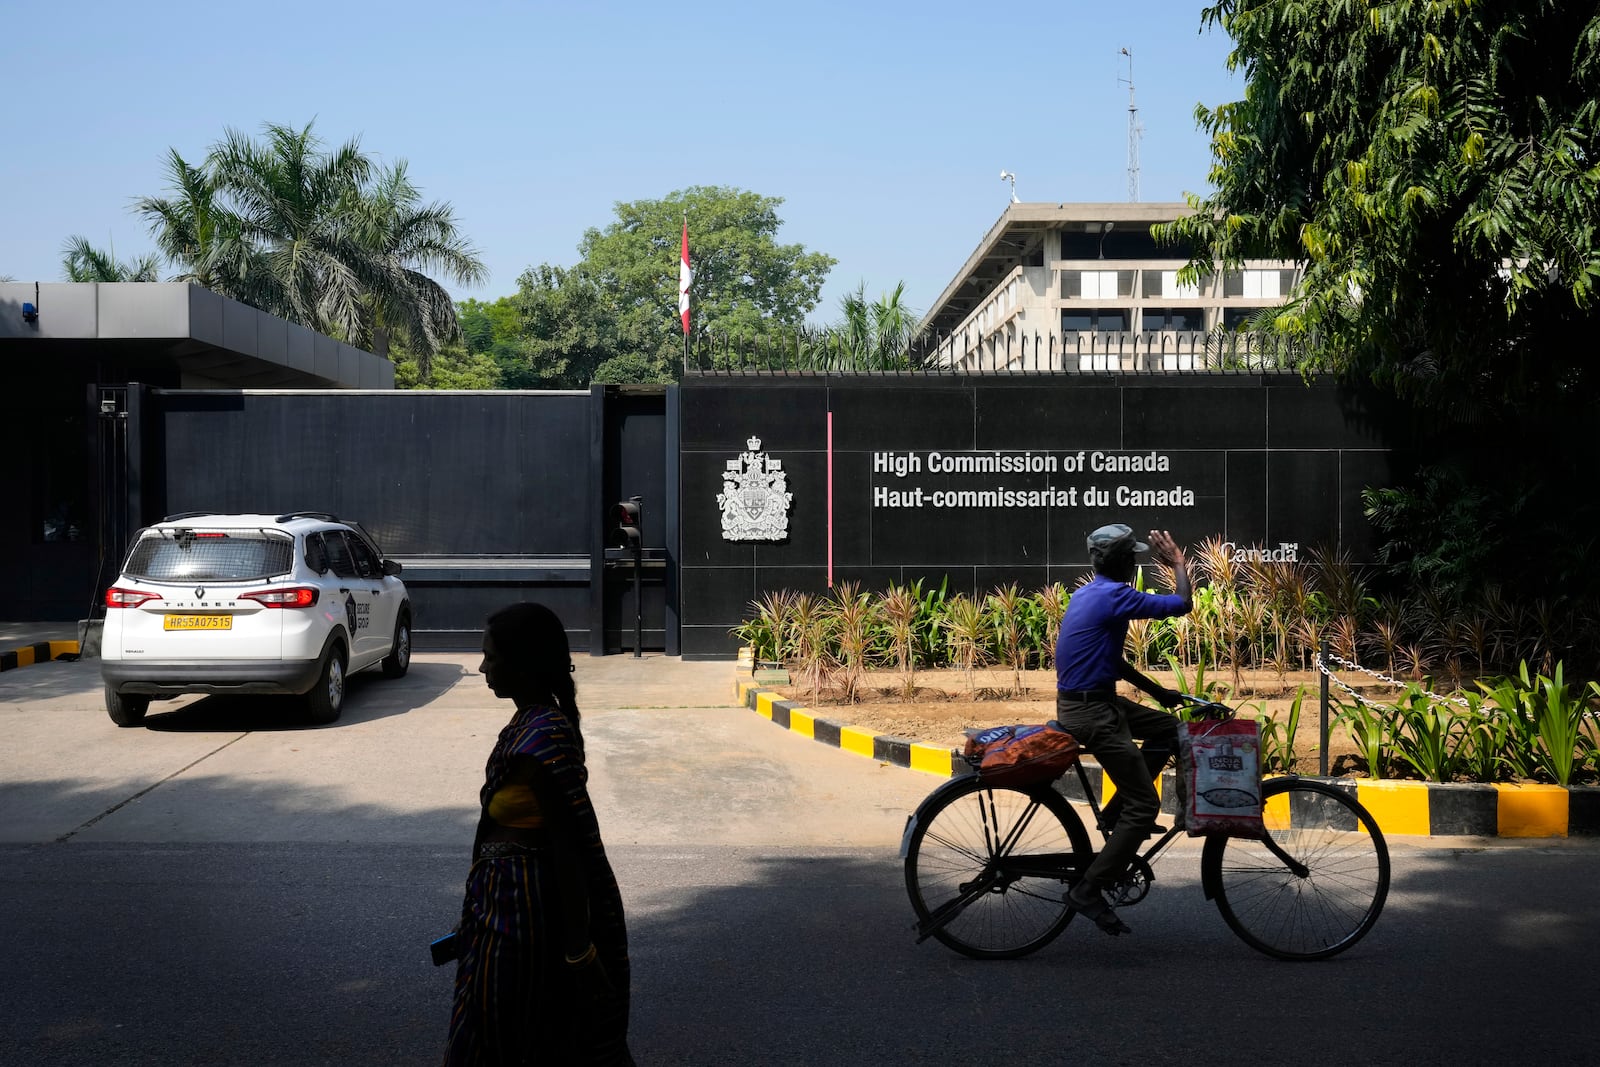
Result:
1086,287
67,354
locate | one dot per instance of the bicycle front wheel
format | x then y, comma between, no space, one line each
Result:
1316,887
988,868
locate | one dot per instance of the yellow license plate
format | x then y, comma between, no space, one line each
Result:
197,622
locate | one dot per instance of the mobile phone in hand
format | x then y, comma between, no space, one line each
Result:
446,949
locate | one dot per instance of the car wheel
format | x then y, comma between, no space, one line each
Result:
398,661
126,710
326,698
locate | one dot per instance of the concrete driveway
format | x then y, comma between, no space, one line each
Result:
671,762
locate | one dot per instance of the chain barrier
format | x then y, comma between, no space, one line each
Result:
1397,683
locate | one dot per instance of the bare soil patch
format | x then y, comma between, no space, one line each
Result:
946,703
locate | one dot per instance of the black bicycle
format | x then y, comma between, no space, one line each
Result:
988,867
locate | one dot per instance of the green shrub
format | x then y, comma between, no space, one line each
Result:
1427,735
1370,732
1484,738
1277,738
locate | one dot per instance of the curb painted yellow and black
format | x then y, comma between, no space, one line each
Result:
1400,807
38,652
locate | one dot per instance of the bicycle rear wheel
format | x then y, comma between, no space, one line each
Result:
988,868
1328,903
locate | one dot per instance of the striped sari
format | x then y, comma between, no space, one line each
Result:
515,998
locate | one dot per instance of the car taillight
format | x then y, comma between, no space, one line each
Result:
128,598
301,596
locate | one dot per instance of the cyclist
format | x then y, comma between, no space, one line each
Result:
1089,663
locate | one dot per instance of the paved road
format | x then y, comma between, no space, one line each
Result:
229,887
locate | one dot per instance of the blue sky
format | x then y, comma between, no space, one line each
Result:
883,126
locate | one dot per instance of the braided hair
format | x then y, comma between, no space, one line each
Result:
534,645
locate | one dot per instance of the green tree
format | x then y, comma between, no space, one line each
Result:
569,326
325,238
632,368
409,242
876,335
1436,165
490,327
493,330
744,280
452,367
617,307
194,229
82,262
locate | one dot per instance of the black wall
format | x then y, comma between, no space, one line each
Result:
493,497
1270,461
48,546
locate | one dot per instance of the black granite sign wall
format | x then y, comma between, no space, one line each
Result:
986,481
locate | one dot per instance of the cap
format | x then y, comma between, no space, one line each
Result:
1109,540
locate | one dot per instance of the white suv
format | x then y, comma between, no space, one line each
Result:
251,604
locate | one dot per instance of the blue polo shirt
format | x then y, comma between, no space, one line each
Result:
1095,628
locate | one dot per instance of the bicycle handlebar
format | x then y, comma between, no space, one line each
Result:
1211,709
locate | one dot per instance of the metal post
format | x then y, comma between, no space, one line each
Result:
1322,752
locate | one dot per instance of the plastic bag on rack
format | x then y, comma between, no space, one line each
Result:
1021,755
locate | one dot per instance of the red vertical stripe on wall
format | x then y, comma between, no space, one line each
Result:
830,499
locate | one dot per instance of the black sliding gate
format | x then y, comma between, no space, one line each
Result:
485,497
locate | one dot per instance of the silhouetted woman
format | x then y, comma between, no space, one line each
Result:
543,973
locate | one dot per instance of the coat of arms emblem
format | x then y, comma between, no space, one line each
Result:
754,498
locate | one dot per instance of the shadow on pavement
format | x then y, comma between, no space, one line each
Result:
56,678
295,953
368,696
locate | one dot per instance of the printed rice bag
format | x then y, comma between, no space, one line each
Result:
1221,762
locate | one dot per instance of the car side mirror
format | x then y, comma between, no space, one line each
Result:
392,568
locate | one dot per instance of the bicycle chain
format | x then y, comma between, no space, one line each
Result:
1397,683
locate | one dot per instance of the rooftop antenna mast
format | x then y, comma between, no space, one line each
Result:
1135,131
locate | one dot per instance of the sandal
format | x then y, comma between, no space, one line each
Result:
1098,911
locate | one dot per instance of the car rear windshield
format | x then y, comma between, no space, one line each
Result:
202,556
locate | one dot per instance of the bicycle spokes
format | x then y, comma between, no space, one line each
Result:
987,868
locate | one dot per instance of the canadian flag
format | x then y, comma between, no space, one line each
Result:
685,276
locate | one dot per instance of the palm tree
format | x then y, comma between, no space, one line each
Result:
294,204
83,262
877,336
325,239
409,239
196,230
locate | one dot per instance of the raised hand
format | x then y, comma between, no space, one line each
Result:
1166,549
